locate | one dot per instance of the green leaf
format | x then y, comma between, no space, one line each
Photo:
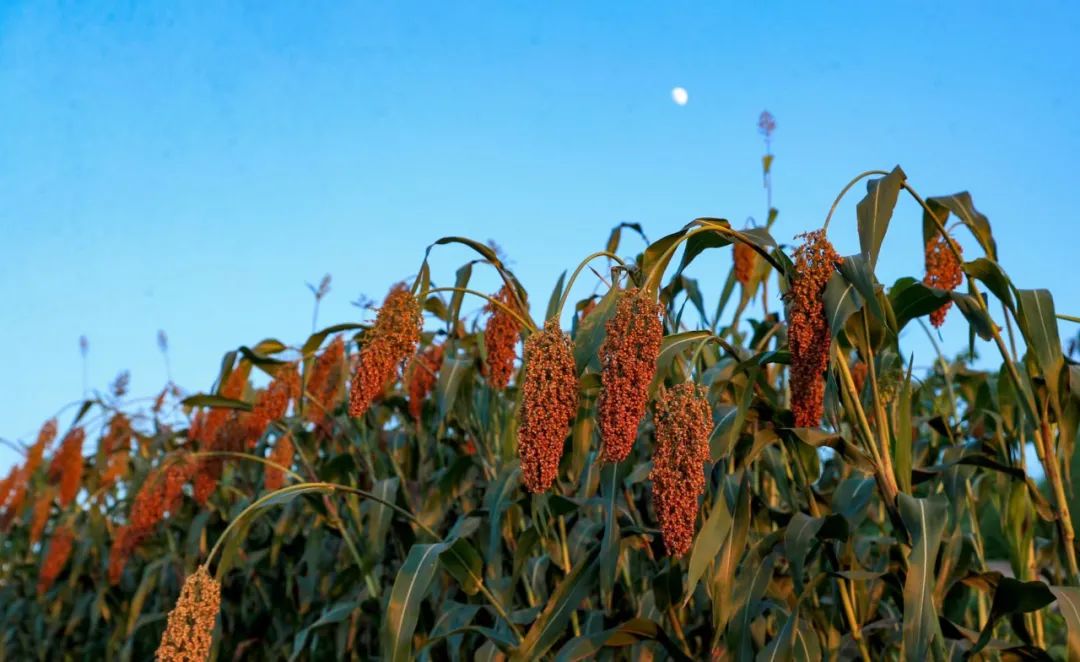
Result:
902,452
556,296
707,543
978,319
697,244
780,648
1068,598
1039,325
851,498
910,299
410,586
464,564
591,332
636,630
925,521
874,212
961,205
857,272
215,401
379,515
461,281
609,544
451,374
552,622
800,534
316,339
841,301
1013,596
730,553
993,276
657,256
671,347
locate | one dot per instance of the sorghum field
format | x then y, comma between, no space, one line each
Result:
638,474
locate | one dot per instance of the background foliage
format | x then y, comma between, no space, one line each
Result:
907,526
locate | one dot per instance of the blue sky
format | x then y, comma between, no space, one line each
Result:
189,169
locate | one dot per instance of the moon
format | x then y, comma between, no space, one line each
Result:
680,96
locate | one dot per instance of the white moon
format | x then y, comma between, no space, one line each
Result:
680,96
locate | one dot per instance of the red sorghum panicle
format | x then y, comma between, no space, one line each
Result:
39,516
548,404
422,377
67,465
808,330
272,403
324,384
56,558
500,339
115,445
7,486
160,493
943,271
628,360
231,437
745,259
190,629
392,339
282,454
683,423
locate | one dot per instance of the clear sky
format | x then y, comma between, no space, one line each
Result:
189,168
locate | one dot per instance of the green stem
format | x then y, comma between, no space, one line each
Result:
577,272
523,321
843,192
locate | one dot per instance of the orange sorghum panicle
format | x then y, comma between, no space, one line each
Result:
548,404
190,629
40,514
745,258
500,338
943,271
7,486
391,340
808,330
123,543
628,359
160,493
231,437
422,377
272,403
683,424
282,454
325,383
115,445
56,558
67,465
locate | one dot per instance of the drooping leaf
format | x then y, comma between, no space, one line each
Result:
1012,596
911,299
841,300
874,212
